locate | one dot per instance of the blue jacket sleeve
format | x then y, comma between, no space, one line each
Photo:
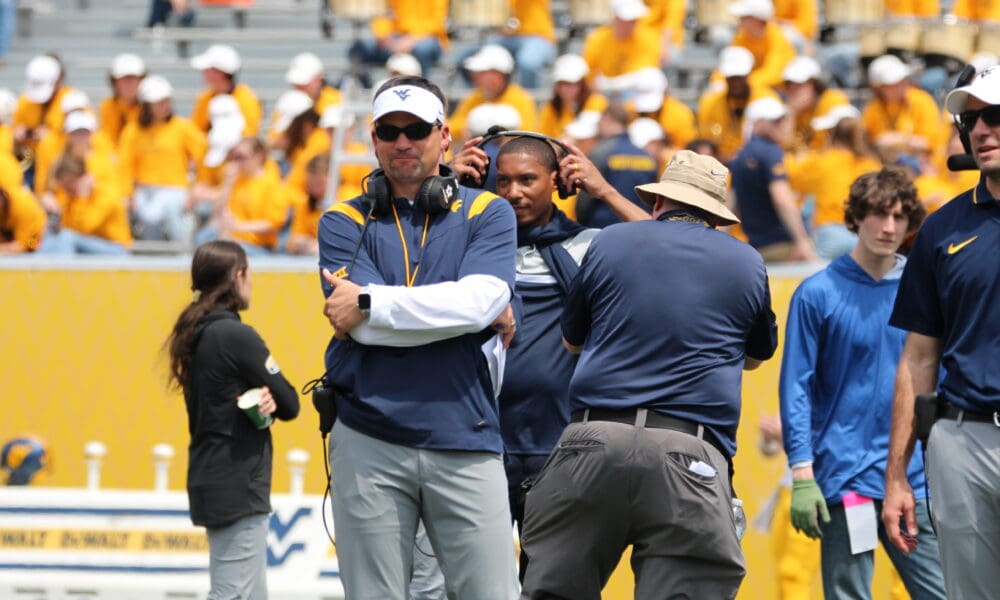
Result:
798,373
492,248
340,231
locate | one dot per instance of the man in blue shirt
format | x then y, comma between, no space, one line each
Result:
665,314
836,393
418,274
770,215
948,303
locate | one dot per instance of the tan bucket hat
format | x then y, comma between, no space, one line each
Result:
695,180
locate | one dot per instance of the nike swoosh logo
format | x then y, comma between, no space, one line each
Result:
953,248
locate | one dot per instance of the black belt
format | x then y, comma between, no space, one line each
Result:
653,419
955,413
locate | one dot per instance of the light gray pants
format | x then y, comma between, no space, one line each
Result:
963,471
380,491
237,563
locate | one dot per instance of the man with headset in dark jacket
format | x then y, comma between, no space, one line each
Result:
419,273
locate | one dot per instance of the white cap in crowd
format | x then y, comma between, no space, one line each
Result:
801,69
758,9
629,10
411,99
74,100
887,69
155,88
79,121
735,61
644,130
41,76
125,65
304,67
984,60
227,128
403,64
650,90
220,57
484,116
8,104
985,86
335,116
569,68
765,109
834,116
289,105
491,57
584,126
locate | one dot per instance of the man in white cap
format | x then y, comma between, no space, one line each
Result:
416,28
219,66
655,400
947,303
621,55
764,38
491,69
900,118
771,217
418,273
122,108
305,73
808,97
37,110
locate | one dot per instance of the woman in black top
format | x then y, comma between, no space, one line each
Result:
214,358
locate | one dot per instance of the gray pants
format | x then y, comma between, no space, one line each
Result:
381,491
237,563
963,472
610,485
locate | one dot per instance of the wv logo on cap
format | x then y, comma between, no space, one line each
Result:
403,94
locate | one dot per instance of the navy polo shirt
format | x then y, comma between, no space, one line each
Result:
666,311
624,165
757,165
951,290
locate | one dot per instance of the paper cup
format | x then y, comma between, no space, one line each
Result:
249,403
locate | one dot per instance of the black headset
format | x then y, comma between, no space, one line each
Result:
436,193
496,132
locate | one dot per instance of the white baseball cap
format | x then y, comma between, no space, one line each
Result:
887,70
223,106
759,9
218,56
735,61
801,69
569,68
41,76
411,99
127,64
304,68
645,130
155,88
629,10
81,119
404,64
765,109
491,57
985,86
74,100
228,123
336,115
484,116
834,116
290,105
650,90
8,104
584,126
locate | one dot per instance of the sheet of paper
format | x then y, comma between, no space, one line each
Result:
862,522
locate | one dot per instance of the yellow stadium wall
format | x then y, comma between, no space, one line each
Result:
84,361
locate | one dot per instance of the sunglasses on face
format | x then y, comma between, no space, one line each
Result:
413,131
990,114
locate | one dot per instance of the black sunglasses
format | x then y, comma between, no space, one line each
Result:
413,131
990,114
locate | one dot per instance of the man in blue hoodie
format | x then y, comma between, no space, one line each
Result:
836,396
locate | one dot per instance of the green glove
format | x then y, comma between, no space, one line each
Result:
807,498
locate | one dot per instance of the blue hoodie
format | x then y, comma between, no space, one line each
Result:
837,379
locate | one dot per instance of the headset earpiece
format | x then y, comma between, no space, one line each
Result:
437,192
375,192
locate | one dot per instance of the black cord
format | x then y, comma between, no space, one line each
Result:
326,492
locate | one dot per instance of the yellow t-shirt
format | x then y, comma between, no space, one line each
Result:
11,175
913,8
160,154
419,19
328,96
611,57
718,123
936,190
102,214
677,120
30,115
6,140
25,222
553,123
102,156
534,17
317,143
514,95
977,10
259,198
114,116
918,115
666,15
800,13
771,54
828,175
247,100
